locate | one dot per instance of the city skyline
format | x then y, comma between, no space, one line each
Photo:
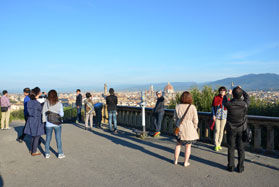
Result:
70,44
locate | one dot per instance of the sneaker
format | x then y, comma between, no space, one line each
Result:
216,148
60,156
47,155
36,154
220,148
19,140
156,134
115,131
8,128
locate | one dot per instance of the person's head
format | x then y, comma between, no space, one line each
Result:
78,91
88,95
237,92
111,91
26,91
5,92
35,93
222,90
52,97
159,94
186,98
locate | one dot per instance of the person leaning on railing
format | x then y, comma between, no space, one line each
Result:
236,125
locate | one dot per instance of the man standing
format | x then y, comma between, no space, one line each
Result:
6,110
26,92
236,125
78,105
111,101
158,113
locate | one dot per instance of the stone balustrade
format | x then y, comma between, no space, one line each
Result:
265,129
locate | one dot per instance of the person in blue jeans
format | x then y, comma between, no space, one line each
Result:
53,105
111,101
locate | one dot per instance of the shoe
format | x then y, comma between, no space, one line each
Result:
216,148
157,134
36,154
19,140
220,148
115,132
240,169
230,168
175,162
8,128
186,164
60,156
47,155
85,128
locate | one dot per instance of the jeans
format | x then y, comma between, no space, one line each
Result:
5,118
98,118
35,143
158,118
23,135
57,130
89,117
219,131
234,140
112,114
79,114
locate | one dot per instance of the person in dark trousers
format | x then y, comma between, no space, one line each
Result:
98,109
158,113
236,125
26,92
34,126
78,105
111,101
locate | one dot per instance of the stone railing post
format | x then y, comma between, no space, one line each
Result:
257,137
270,138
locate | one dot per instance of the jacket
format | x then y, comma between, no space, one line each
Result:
79,100
34,125
159,107
237,110
188,127
111,102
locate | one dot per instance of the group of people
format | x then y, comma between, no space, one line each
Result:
43,114
228,114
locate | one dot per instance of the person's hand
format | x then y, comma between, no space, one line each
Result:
230,91
214,118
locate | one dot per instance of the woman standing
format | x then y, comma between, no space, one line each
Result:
219,115
187,126
34,126
89,110
52,105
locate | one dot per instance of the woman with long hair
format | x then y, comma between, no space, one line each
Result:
34,126
52,105
186,116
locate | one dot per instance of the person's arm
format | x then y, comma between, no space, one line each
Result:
246,98
61,113
195,117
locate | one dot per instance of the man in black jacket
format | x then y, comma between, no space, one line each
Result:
236,124
111,101
158,113
78,105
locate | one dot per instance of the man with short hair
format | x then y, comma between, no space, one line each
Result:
78,105
236,125
158,113
26,92
111,102
6,110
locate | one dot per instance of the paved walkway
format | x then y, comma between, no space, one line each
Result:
99,158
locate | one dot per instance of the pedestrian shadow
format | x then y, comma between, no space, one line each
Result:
1,181
27,141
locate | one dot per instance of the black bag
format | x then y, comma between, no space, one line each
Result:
54,118
4,109
247,135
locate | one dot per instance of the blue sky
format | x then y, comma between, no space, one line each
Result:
72,43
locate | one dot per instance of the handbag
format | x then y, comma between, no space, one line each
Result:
247,135
4,109
53,117
176,129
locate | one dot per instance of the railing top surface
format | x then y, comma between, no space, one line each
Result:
250,117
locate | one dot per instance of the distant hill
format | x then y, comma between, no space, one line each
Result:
250,82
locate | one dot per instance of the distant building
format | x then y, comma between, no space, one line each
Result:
169,89
105,89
